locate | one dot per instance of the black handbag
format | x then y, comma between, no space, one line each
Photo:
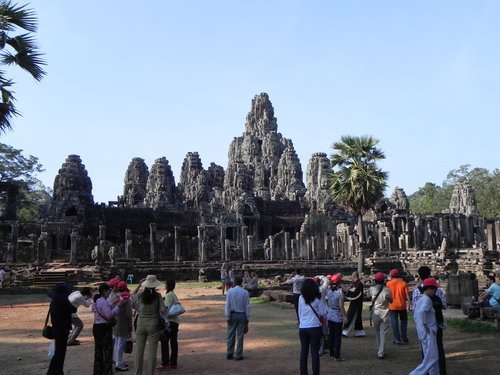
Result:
129,345
48,331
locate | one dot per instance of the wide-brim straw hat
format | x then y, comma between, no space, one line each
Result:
151,282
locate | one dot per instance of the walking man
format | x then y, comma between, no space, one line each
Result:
381,297
397,309
78,298
237,311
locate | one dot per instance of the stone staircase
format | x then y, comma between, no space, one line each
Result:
47,279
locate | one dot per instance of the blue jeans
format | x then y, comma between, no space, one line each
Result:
310,337
403,317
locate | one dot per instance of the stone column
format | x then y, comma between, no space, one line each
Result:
201,243
222,244
14,234
102,251
177,244
308,249
490,236
286,241
271,248
34,248
244,241
227,244
9,257
313,248
102,232
497,232
250,247
152,241
74,247
128,243
299,247
293,249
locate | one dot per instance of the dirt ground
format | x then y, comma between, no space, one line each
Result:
271,346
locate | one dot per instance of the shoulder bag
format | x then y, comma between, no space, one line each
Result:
48,331
321,319
175,310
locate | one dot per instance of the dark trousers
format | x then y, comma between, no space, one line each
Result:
403,318
310,338
169,346
442,358
103,353
296,297
57,361
335,338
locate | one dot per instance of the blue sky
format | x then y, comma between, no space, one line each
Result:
162,78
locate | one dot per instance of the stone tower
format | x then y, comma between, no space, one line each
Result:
254,158
160,189
318,172
400,200
72,189
463,199
136,179
194,185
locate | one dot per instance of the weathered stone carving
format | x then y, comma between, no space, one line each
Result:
400,200
161,191
72,189
194,185
290,185
136,179
463,199
317,196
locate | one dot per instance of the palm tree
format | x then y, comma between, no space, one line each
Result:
356,182
20,50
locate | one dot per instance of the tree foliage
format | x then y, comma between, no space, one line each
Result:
431,198
33,198
19,49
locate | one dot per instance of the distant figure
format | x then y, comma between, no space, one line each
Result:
336,316
426,325
237,312
354,319
223,276
169,344
398,307
296,280
229,278
123,328
102,331
312,312
381,297
2,277
439,304
60,316
150,307
78,298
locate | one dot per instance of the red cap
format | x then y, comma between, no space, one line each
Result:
431,282
125,295
112,282
335,279
379,276
315,279
329,277
394,272
121,286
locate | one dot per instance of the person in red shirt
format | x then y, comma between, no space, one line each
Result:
397,309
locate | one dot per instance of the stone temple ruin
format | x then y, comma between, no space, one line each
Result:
256,209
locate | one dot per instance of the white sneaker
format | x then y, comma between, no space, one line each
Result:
359,333
345,333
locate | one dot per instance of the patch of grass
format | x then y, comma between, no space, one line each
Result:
472,326
258,300
195,284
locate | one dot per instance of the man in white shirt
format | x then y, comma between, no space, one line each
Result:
78,298
297,280
237,312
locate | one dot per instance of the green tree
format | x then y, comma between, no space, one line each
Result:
20,50
356,182
431,198
33,198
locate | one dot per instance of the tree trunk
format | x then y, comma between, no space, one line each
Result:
361,244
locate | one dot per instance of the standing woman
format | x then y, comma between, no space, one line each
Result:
60,315
169,358
336,317
150,306
223,274
103,331
311,308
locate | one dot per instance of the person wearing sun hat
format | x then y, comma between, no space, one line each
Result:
150,306
426,325
381,297
397,309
